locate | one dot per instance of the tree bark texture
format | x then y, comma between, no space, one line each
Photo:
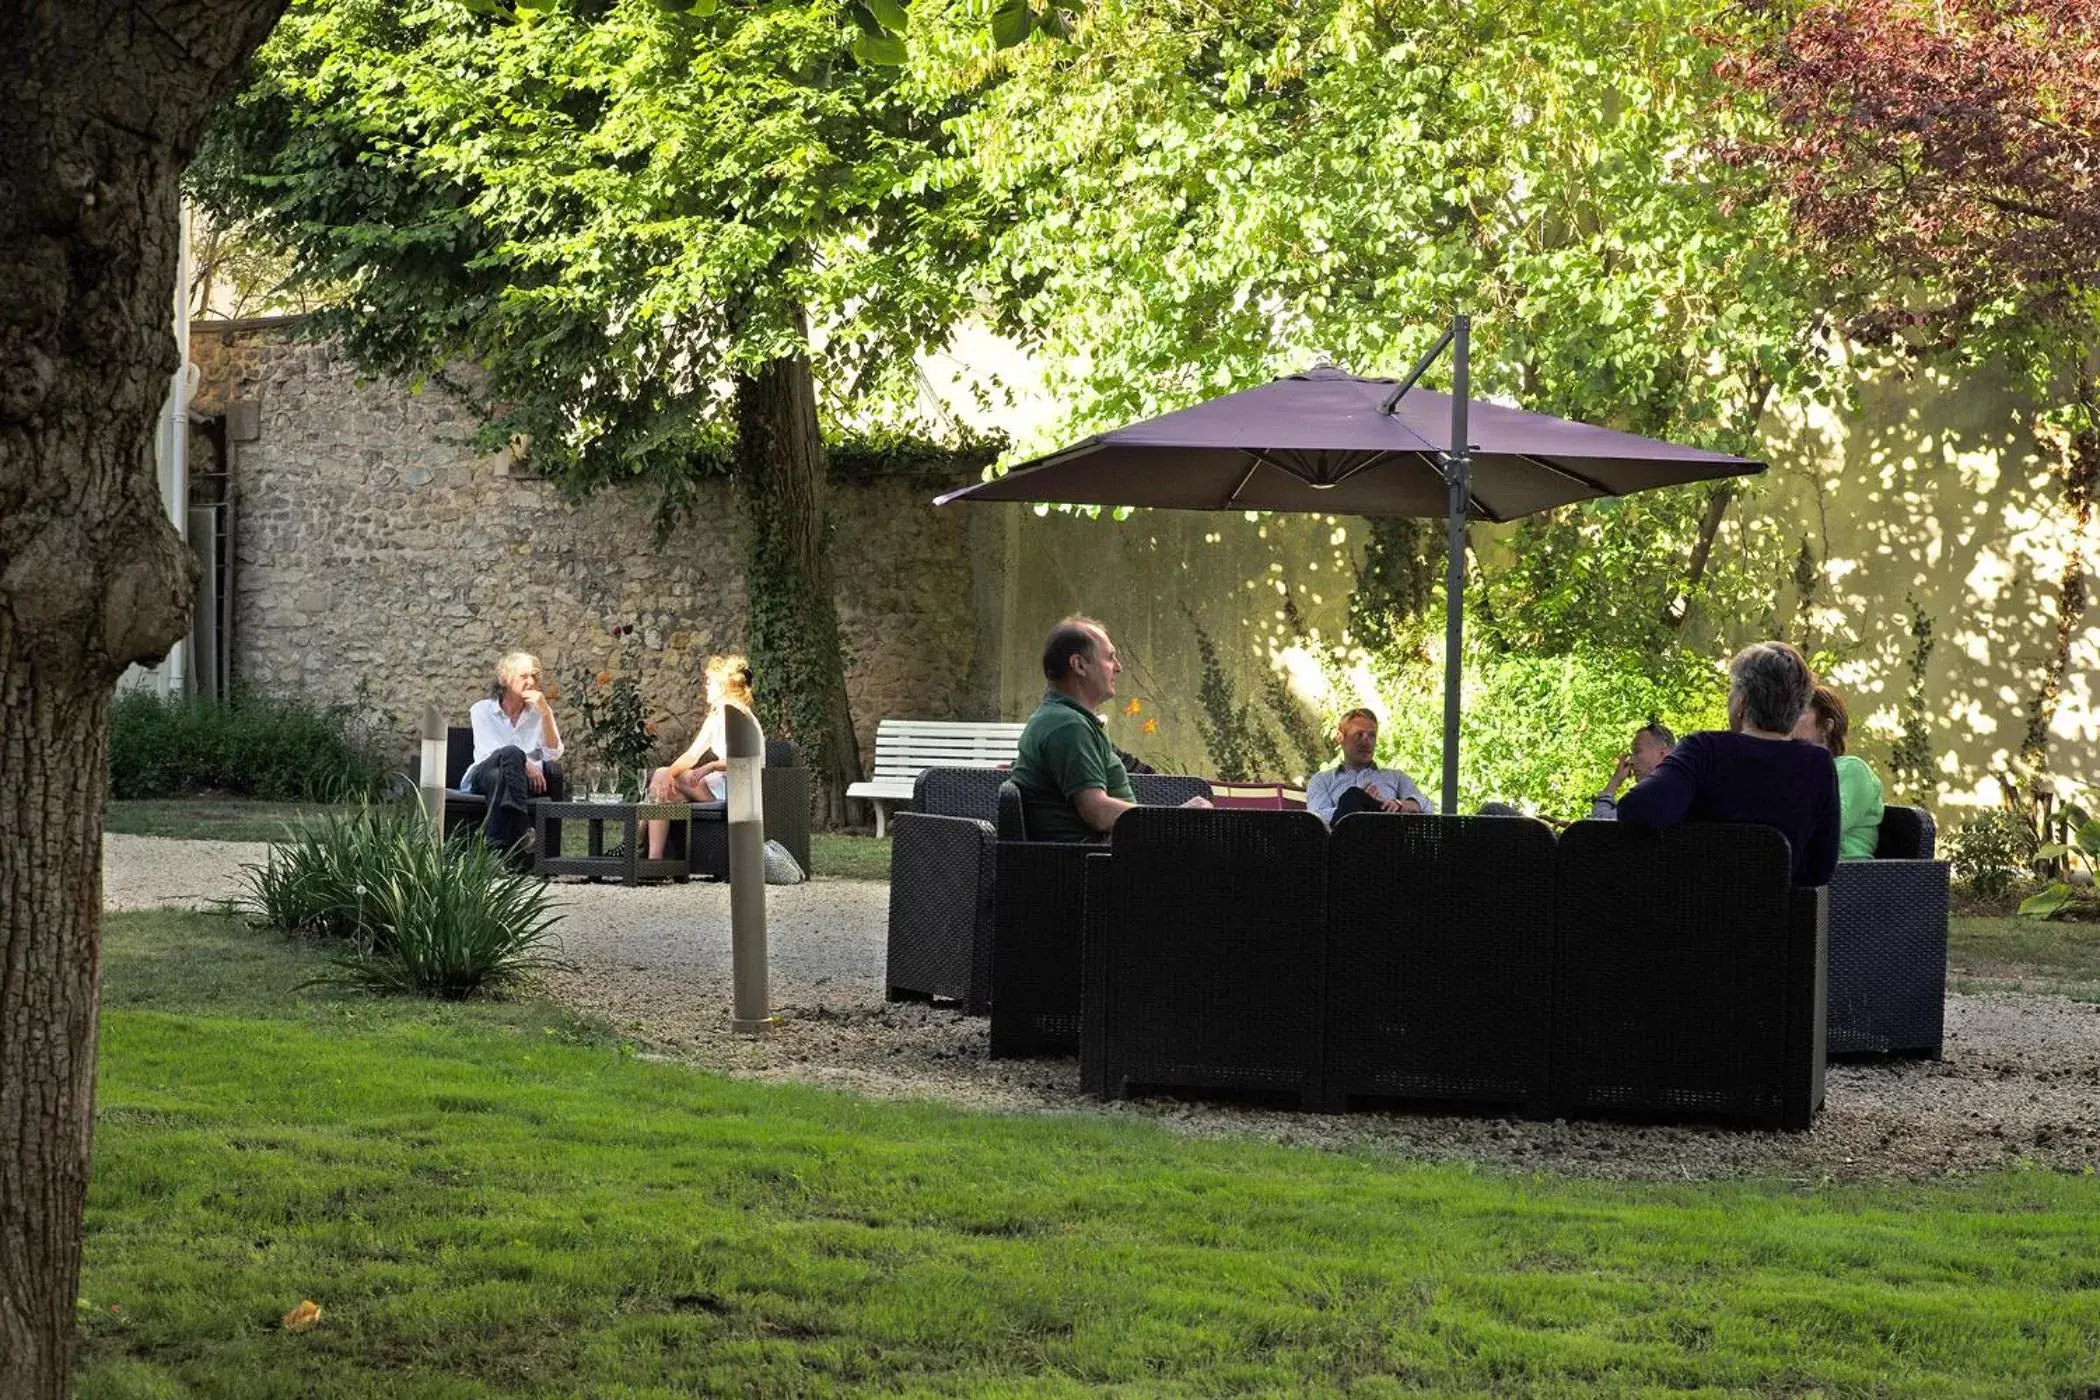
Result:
101,104
1679,608
797,658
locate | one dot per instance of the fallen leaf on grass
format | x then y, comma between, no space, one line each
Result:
303,1317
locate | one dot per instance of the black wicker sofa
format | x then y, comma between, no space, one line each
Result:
1477,961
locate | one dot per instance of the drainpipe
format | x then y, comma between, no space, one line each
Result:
175,670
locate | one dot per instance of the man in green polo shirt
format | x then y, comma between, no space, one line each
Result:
1073,787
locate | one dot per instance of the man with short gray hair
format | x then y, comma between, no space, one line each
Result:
1652,743
1073,783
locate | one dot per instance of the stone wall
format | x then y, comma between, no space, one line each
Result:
377,547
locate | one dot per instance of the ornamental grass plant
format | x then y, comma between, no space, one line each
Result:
413,915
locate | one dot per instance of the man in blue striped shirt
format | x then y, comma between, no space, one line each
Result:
1357,783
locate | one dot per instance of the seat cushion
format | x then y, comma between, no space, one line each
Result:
1257,797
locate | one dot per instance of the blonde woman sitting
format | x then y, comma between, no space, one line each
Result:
701,773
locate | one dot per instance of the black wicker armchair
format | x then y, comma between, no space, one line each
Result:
1440,960
943,857
1689,977
1206,956
1888,944
785,792
462,808
1038,913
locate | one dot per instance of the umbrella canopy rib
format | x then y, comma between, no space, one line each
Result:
1577,477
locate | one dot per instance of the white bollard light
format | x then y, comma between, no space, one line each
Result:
432,779
746,757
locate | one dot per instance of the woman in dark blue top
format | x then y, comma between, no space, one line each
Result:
1758,772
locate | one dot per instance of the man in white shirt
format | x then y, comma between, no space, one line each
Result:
1357,783
516,743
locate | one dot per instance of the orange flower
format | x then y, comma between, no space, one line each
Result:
1134,707
605,678
1152,726
650,729
303,1317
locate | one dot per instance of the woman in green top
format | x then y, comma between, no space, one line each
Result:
1859,792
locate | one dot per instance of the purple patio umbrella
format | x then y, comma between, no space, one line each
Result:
1334,443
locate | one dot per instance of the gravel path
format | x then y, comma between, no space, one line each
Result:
2020,1082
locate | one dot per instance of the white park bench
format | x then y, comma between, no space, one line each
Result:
906,747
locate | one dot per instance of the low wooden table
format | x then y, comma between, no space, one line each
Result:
625,861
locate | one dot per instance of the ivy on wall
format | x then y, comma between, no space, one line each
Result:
1910,762
1242,746
1395,579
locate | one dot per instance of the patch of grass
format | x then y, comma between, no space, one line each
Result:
484,1204
849,857
2030,953
212,818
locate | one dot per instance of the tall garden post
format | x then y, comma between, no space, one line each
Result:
747,872
432,779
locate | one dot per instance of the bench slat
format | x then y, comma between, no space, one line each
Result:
924,726
904,752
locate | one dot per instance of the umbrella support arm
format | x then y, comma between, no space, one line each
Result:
1421,367
1456,465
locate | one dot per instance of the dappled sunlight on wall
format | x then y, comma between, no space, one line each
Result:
1934,491
1924,523
1259,590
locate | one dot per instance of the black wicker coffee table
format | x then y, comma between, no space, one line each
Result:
613,844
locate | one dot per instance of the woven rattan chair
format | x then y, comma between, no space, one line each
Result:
1440,959
463,809
1689,978
943,855
1888,944
1038,912
1208,970
1038,909
785,792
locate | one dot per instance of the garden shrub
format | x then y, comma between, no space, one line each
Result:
1991,852
1539,730
415,916
253,745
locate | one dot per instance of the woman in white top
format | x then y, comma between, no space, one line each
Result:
701,773
516,743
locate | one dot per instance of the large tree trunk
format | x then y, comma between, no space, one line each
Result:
793,616
101,103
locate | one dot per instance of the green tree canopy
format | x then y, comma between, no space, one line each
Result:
657,234
611,209
1213,193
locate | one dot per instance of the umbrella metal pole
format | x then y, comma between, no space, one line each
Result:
1457,474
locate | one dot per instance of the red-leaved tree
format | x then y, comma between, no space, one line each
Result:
1946,156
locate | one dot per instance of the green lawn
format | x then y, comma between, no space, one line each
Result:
207,818
240,819
1999,954
500,1200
